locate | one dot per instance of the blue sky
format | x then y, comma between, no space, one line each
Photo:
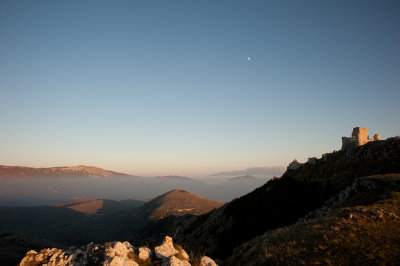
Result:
166,87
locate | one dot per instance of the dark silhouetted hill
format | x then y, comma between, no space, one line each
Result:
282,201
359,226
14,246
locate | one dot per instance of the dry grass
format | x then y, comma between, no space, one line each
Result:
359,235
180,202
194,259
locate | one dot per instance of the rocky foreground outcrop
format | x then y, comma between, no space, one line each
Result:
115,254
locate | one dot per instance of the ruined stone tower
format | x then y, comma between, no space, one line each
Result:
358,138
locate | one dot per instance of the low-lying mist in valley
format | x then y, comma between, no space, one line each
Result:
34,191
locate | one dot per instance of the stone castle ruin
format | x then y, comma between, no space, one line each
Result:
358,138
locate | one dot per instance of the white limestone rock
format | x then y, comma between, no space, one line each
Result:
207,261
174,261
117,255
144,253
118,249
120,261
166,250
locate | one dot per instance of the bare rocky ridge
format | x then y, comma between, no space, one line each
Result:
65,171
115,254
283,201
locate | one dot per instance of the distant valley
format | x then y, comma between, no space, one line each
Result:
86,220
340,209
26,186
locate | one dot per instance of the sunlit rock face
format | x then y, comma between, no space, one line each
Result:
114,254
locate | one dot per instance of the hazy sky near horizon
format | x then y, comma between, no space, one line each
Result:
167,87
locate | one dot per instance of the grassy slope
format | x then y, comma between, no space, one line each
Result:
162,216
283,201
178,202
349,233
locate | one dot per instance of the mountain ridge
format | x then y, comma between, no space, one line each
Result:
282,201
59,171
266,171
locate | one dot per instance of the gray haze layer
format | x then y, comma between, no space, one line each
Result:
40,191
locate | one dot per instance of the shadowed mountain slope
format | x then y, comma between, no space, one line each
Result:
72,223
99,206
13,247
281,202
359,226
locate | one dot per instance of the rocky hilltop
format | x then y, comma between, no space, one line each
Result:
178,202
116,254
283,201
64,171
164,214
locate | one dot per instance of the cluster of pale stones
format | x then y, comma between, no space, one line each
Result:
113,254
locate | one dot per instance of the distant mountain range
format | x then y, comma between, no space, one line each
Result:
342,209
263,171
62,171
338,210
88,219
244,178
174,177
